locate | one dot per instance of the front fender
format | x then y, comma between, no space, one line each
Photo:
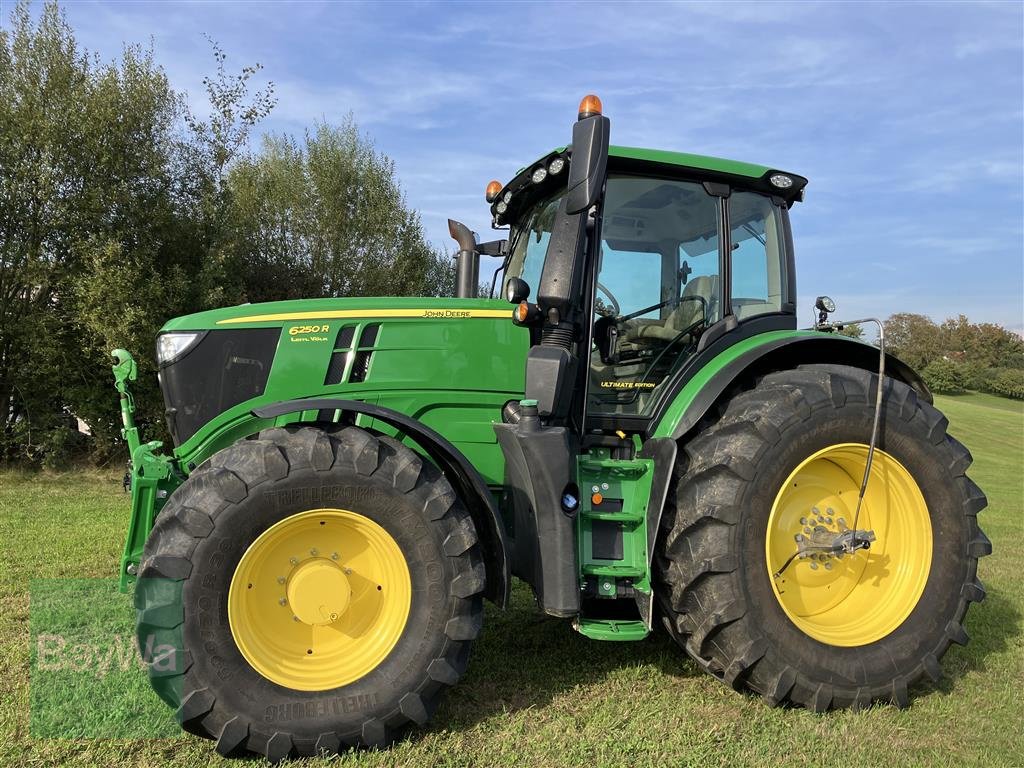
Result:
766,352
468,483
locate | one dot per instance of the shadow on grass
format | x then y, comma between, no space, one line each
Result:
525,659
992,625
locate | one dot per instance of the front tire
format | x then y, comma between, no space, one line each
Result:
827,632
307,591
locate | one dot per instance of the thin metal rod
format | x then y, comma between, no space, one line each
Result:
878,411
874,432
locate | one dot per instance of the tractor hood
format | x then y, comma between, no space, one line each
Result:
217,367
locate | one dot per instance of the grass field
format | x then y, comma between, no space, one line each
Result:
536,693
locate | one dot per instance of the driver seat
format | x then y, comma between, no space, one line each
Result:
683,316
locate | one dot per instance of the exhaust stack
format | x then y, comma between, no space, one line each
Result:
467,261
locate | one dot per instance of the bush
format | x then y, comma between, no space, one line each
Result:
944,376
1008,382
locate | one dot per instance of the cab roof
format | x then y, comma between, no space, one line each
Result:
697,162
516,194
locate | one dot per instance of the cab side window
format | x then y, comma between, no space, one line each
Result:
757,248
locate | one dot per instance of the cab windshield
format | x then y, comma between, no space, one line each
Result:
530,241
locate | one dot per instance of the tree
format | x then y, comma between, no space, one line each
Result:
111,204
1008,382
985,345
943,376
85,155
853,330
915,339
326,217
216,142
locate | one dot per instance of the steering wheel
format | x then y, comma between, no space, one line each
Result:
614,302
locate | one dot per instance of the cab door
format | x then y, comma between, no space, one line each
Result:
658,287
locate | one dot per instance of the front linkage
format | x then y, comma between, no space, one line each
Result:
151,476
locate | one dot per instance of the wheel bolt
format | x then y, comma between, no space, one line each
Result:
282,601
348,571
828,520
807,530
280,579
814,566
293,560
313,552
828,511
334,556
295,618
803,521
799,537
828,566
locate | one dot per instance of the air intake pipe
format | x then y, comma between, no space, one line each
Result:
467,260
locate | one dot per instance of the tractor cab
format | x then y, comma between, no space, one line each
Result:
670,253
658,278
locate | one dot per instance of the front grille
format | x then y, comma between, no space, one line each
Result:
223,369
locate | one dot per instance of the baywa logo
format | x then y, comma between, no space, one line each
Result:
57,653
89,676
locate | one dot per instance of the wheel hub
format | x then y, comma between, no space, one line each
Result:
817,538
318,592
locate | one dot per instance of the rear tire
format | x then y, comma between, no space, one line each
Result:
716,590
210,524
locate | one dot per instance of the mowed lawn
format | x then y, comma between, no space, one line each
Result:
536,693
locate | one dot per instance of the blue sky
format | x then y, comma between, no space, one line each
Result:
906,117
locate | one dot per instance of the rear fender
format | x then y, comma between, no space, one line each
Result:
751,358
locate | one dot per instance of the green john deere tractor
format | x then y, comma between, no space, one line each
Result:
646,439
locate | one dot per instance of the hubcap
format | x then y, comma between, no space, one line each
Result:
849,599
319,599
318,592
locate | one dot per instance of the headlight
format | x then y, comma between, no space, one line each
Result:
171,346
501,207
507,197
780,180
539,175
556,165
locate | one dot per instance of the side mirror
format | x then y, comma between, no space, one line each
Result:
516,290
589,162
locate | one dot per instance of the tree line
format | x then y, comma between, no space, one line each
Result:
958,355
120,208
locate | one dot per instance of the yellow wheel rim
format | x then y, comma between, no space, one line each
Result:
319,599
857,598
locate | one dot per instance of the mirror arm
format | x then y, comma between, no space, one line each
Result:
493,248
